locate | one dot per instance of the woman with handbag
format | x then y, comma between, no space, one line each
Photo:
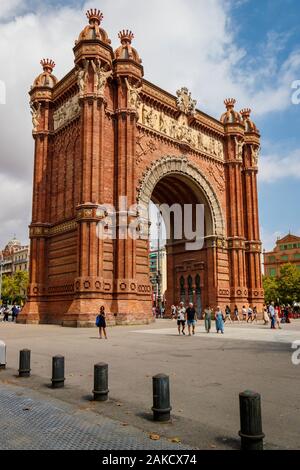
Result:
101,323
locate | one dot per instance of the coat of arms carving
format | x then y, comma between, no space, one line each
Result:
185,102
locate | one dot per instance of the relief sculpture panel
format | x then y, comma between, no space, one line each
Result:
179,129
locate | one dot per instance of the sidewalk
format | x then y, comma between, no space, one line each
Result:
28,421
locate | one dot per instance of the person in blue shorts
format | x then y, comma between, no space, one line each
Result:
191,318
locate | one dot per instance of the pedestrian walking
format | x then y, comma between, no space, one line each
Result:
219,317
272,315
244,313
228,314
286,313
254,315
101,323
207,318
6,313
250,314
173,312
157,312
14,312
266,316
191,318
181,312
236,315
277,318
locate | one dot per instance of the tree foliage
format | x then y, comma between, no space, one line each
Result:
14,287
285,288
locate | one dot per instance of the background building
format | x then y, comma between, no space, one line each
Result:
287,250
14,257
158,273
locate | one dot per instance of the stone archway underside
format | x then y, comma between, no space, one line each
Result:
172,165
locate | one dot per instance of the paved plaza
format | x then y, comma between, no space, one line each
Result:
207,372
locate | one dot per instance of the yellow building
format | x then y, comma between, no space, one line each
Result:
287,250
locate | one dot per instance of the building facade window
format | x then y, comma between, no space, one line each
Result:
272,272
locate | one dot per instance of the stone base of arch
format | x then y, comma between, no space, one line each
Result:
82,312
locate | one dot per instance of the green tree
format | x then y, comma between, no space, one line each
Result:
270,285
289,284
14,287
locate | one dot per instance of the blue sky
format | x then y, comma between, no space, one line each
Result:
279,199
247,49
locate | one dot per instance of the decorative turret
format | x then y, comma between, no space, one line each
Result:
231,116
92,30
249,124
126,51
93,42
46,79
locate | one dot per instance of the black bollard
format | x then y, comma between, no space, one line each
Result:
100,382
58,372
251,423
24,363
161,398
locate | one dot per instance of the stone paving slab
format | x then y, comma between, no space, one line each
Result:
234,333
31,423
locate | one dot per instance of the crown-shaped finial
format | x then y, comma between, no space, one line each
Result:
245,113
229,103
47,64
126,36
94,15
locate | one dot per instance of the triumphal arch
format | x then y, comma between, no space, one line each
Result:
104,134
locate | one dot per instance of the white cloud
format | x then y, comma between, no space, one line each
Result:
274,167
8,8
181,43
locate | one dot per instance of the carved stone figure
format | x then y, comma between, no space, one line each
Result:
255,151
101,76
185,102
36,114
134,99
149,117
239,149
82,75
163,123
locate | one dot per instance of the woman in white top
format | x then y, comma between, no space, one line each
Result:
181,312
244,312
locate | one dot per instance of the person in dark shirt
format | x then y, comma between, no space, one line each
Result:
191,318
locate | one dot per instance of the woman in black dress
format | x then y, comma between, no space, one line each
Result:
102,323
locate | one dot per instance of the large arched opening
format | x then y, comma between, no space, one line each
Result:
181,194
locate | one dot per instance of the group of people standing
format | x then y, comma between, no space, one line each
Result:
248,315
6,311
189,316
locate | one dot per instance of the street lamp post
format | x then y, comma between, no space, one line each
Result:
158,262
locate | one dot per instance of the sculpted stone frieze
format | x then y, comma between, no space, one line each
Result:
185,103
66,112
179,129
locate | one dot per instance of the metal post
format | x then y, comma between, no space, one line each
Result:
161,398
2,355
58,372
100,382
24,363
251,422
